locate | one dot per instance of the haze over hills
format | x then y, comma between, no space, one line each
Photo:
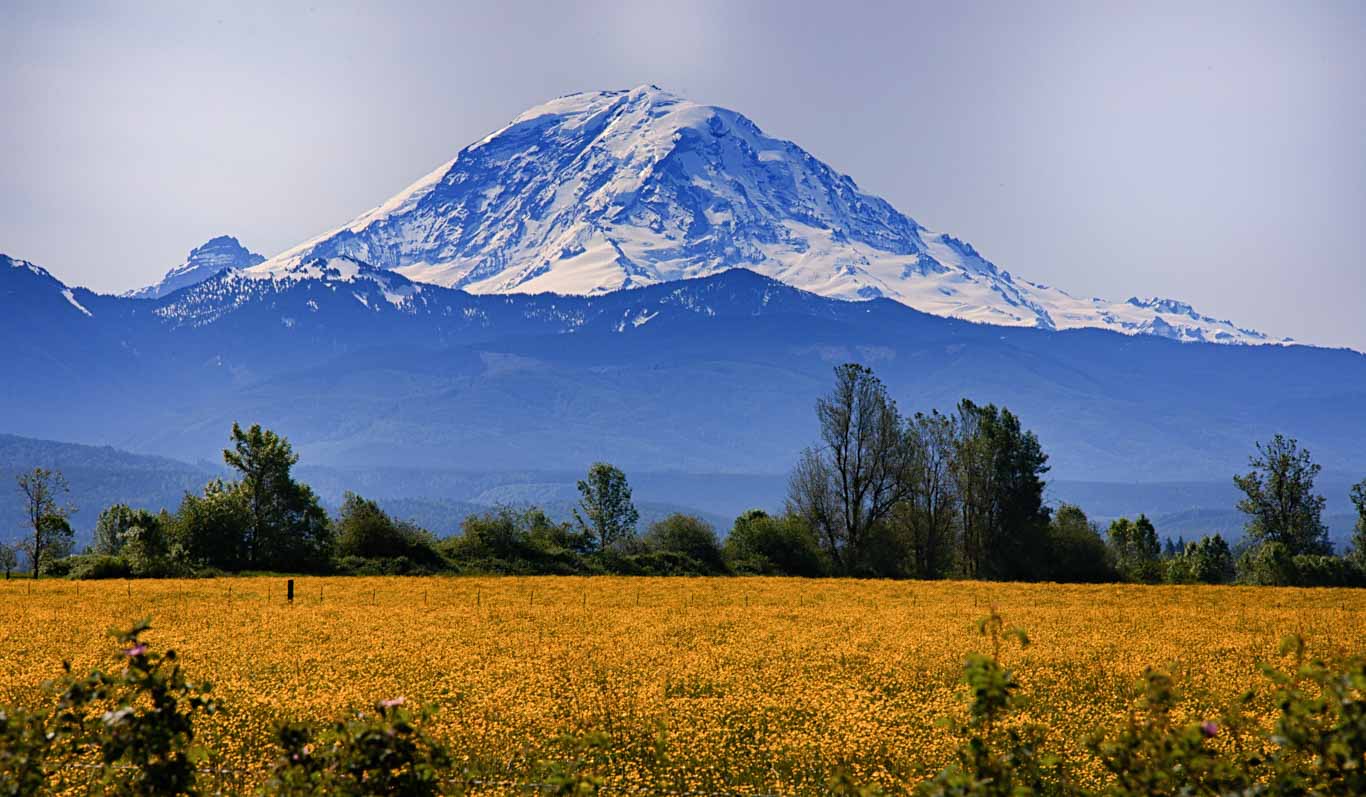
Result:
361,366
599,191
712,276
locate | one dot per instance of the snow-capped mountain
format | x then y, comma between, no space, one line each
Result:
203,262
28,289
595,192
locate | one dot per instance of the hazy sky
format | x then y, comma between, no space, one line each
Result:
1214,154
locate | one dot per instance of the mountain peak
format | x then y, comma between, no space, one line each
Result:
209,258
598,191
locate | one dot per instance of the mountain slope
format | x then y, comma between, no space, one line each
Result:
595,192
215,255
361,367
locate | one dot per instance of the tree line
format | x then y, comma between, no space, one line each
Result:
956,494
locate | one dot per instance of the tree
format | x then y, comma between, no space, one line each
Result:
366,531
1076,553
212,528
8,559
998,478
927,516
605,511
44,515
117,525
690,536
1137,551
848,485
1358,552
288,529
777,546
1209,561
1279,498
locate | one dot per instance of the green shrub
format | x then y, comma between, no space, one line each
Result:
384,752
99,566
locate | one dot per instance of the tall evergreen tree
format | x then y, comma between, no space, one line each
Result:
998,475
605,512
1279,498
288,529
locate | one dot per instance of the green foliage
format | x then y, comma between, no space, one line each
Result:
367,532
1136,550
605,512
516,541
288,529
996,756
96,566
25,749
1357,553
688,536
1268,564
778,546
927,516
1279,498
575,770
998,472
1153,755
9,558
1317,745
1320,734
49,534
1209,561
137,722
211,529
846,488
1076,553
383,752
116,525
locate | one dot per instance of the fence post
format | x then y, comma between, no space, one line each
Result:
289,589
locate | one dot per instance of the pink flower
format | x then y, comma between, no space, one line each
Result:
392,702
136,650
1209,729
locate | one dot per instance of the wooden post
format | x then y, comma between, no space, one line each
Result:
289,590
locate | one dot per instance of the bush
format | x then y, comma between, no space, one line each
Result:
1312,570
1076,552
782,546
99,566
690,537
139,720
382,752
516,541
58,568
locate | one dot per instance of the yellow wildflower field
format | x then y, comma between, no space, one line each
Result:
736,685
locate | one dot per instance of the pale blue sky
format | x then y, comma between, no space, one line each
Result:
1214,152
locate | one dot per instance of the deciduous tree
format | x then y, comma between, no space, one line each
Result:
850,483
605,511
1279,498
45,514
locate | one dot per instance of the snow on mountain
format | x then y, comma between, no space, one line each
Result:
595,192
212,257
27,287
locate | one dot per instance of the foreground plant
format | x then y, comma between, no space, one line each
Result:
385,751
127,732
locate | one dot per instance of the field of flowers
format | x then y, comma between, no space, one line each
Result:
738,685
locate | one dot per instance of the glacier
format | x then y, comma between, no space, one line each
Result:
600,191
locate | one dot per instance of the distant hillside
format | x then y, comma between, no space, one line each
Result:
98,476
